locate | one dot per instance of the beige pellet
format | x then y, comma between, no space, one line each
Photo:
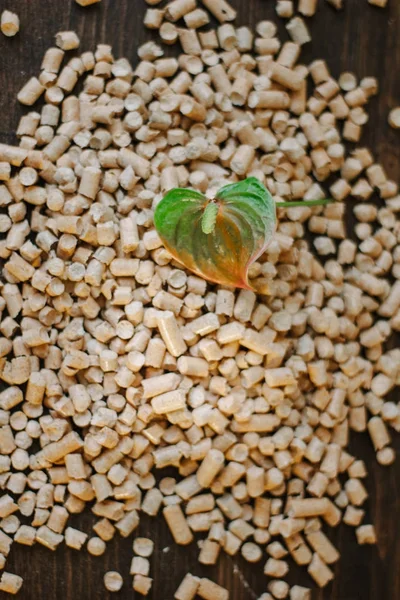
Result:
142,584
188,588
356,492
75,466
160,384
113,581
177,9
87,2
322,545
196,18
209,552
308,7
286,77
30,92
386,456
192,366
96,546
178,525
394,118
5,171
139,566
210,467
52,60
211,591
170,333
284,9
255,481
308,507
278,588
273,100
48,538
58,519
378,433
201,503
10,583
57,450
298,592
90,182
7,506
251,552
129,234
319,571
25,535
298,31
220,9
143,547
366,534
279,377
9,23
67,40
75,538
169,402
168,33
104,529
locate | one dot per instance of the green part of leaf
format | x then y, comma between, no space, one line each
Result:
174,213
252,199
304,203
218,240
209,217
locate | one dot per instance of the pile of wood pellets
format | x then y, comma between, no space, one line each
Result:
116,362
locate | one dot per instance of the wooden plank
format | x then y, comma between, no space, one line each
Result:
362,39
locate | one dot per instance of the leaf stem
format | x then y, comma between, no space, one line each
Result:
304,203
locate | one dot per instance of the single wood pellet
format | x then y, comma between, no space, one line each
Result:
10,583
9,23
394,118
96,546
143,547
86,2
188,588
211,591
113,581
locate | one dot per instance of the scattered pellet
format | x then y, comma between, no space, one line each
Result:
366,534
30,92
298,31
188,588
10,583
143,547
87,2
113,581
298,592
142,584
177,524
67,40
211,591
394,118
251,552
9,23
220,9
96,546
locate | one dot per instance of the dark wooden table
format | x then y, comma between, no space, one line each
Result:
362,39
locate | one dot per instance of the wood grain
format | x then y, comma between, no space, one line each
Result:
362,39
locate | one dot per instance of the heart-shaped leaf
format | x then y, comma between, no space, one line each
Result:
220,238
